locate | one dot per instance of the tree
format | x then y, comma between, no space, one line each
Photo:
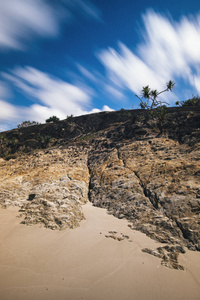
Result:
27,124
150,96
52,119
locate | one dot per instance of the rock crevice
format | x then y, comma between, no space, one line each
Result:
119,161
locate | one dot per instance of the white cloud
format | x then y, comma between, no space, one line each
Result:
51,96
127,68
195,81
97,110
51,92
107,108
4,90
11,115
170,51
164,49
20,20
189,32
7,111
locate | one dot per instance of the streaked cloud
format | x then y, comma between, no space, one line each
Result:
86,73
83,7
7,111
101,84
21,20
4,90
126,69
50,95
49,91
170,50
114,92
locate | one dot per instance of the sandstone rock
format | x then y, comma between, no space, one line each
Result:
168,255
50,188
120,161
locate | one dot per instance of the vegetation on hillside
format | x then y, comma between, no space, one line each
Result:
27,124
52,119
194,101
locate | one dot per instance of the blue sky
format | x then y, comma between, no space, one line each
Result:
63,57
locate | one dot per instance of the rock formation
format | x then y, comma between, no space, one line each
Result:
49,187
133,163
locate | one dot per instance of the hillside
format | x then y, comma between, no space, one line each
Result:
140,166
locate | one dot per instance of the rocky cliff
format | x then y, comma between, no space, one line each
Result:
140,165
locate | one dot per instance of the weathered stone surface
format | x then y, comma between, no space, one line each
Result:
49,187
159,196
169,256
122,161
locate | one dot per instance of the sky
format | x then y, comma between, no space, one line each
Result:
63,57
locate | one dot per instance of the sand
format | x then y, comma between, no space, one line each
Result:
38,263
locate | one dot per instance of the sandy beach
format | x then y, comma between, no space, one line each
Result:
38,263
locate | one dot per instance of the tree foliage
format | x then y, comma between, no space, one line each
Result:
52,119
149,97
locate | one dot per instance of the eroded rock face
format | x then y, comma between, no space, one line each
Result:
50,187
154,184
119,161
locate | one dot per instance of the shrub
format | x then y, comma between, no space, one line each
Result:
160,115
70,117
27,124
39,137
195,101
47,139
52,119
